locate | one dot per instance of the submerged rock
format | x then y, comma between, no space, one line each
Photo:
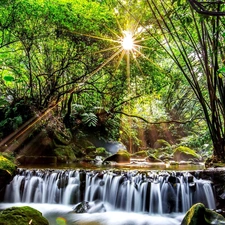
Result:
22,216
198,214
82,207
89,207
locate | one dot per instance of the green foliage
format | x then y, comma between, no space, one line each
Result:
14,115
200,141
101,152
89,119
140,154
160,143
74,54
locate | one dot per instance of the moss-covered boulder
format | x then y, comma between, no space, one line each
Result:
62,138
64,153
7,165
100,151
160,143
198,214
7,171
122,156
22,216
183,153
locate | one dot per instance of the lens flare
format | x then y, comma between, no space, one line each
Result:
127,41
60,221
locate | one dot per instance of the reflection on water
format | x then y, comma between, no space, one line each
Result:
62,215
141,166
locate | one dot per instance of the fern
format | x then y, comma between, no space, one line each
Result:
78,108
90,119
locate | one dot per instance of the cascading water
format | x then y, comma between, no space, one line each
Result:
153,193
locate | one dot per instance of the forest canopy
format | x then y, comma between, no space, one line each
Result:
68,56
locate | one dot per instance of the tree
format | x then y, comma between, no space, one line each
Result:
196,44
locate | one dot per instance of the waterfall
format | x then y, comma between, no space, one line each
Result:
130,191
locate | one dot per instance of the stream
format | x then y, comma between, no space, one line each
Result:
108,197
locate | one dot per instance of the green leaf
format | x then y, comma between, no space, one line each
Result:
3,102
221,70
8,78
90,119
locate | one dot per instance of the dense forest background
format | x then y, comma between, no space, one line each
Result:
63,68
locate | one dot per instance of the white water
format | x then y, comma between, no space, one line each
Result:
118,198
61,215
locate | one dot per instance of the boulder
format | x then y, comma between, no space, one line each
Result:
198,214
100,151
22,216
183,153
7,171
122,156
64,154
89,207
82,207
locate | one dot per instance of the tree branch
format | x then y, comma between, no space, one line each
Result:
160,122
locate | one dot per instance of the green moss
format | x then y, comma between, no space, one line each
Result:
62,138
121,156
198,214
7,165
90,149
183,152
65,151
22,216
101,151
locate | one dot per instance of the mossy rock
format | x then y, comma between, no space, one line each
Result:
122,156
198,214
22,216
6,164
160,143
101,152
64,152
90,149
83,143
140,154
183,153
61,138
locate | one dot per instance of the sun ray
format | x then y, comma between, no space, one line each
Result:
137,63
120,60
107,49
97,37
106,62
149,60
113,32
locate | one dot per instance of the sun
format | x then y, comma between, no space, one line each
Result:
127,41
